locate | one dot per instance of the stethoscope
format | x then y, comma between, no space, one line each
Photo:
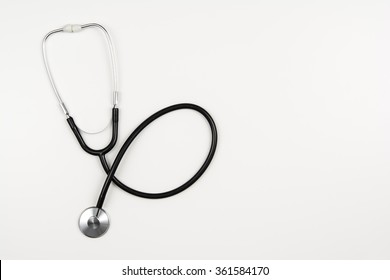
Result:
94,221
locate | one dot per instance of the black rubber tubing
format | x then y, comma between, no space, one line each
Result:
111,170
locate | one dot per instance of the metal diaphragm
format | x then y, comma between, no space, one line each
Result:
94,222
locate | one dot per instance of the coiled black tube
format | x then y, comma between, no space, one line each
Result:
111,170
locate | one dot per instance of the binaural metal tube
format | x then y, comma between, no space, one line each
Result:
72,28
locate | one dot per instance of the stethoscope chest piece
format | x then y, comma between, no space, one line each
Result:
94,222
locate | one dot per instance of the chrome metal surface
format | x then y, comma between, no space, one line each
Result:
94,222
111,51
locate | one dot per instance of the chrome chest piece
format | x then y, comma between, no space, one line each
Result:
94,222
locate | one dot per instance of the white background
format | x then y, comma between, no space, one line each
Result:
300,94
278,269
